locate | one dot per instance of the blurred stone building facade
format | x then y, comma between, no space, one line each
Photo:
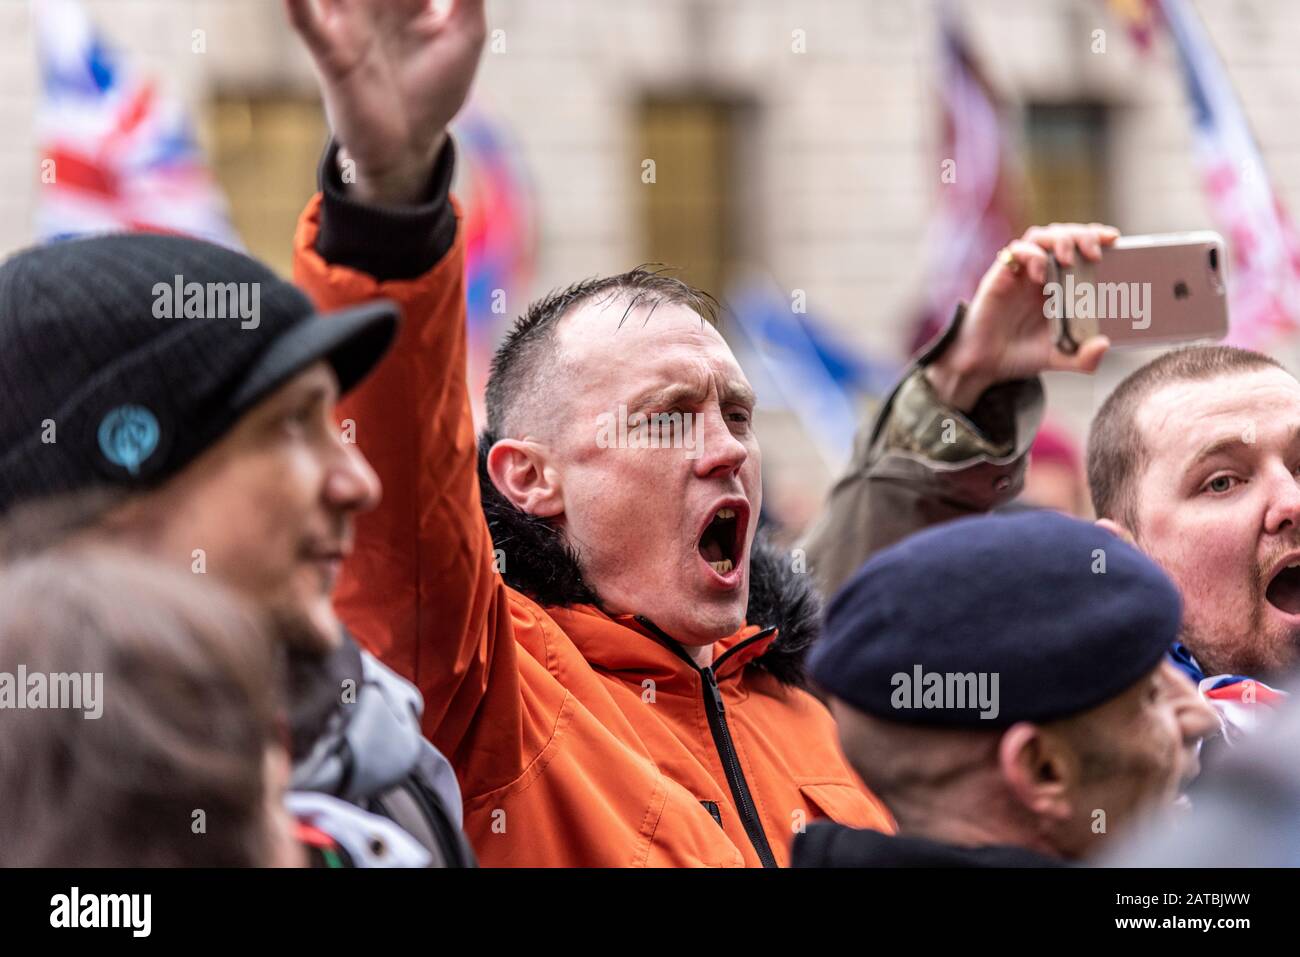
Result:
797,137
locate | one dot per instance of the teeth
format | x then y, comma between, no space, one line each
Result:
726,513
722,567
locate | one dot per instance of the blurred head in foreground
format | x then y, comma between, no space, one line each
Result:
1247,811
138,720
1003,682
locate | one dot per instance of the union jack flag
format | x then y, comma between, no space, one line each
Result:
117,154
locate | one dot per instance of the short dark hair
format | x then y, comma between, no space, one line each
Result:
1117,452
518,367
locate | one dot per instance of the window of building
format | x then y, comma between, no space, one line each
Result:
265,150
691,215
1066,163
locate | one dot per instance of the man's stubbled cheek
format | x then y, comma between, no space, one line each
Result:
1204,550
1213,564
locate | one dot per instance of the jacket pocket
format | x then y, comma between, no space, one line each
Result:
846,804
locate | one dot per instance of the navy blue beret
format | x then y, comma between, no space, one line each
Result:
987,621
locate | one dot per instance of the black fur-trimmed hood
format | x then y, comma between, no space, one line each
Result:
542,566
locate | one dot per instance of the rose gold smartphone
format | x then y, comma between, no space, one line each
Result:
1145,291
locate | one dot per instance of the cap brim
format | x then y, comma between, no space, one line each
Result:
351,340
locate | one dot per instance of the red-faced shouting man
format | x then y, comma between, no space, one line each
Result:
610,658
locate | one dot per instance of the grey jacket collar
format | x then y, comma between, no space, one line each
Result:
370,738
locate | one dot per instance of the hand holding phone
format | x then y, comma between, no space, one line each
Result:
1143,291
1002,335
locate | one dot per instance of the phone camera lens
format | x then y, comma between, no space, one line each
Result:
1214,259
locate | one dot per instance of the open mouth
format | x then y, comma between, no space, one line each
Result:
1283,591
721,542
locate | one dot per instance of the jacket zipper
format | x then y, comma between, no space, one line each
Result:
716,713
448,835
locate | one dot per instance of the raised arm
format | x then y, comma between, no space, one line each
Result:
953,438
419,590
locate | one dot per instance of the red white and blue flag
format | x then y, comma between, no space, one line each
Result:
495,194
1243,705
977,212
117,154
1264,250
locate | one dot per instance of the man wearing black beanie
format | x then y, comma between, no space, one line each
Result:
1002,683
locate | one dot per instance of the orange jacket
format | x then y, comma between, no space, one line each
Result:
566,756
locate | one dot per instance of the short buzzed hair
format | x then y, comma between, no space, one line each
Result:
1117,451
520,366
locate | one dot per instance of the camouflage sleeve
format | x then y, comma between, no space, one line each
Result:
921,463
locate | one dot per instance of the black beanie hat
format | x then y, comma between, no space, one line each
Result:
123,357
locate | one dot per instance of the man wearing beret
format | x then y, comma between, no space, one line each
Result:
1002,683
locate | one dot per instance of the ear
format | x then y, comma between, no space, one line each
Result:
521,472
1039,769
1116,529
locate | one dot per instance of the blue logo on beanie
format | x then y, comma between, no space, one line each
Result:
128,435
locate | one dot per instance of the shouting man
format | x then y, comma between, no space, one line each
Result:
607,654
1193,457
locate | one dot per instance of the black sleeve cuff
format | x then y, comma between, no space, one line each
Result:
995,412
397,242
